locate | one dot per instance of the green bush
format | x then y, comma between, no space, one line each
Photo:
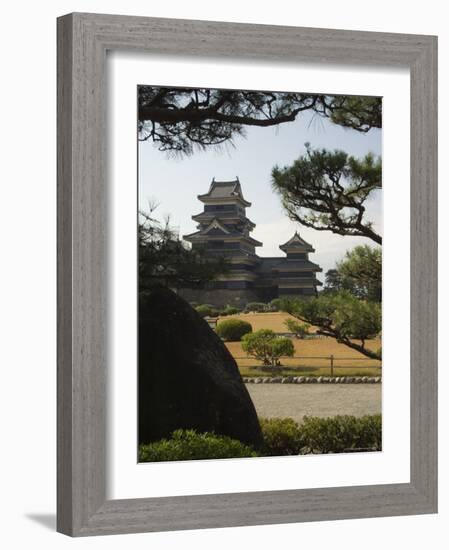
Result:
206,310
274,305
340,433
232,330
300,330
281,436
255,306
230,310
264,345
190,445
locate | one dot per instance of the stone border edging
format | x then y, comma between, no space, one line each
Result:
314,380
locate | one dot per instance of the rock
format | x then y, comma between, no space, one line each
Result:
319,379
301,380
187,377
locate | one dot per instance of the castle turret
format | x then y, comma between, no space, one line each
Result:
296,273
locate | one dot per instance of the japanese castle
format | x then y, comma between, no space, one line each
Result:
224,230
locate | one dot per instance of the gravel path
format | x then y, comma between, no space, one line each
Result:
298,400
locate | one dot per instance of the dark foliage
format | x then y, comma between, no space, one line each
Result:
327,191
349,320
360,273
165,259
182,119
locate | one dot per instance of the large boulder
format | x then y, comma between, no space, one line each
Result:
187,377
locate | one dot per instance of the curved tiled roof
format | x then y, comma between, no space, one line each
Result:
224,190
296,242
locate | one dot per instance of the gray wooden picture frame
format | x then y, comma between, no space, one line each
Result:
83,40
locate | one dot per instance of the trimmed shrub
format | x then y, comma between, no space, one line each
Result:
230,310
232,330
190,445
281,436
255,307
206,310
340,433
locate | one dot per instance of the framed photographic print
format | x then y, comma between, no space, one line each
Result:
247,274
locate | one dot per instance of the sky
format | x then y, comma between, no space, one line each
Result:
173,183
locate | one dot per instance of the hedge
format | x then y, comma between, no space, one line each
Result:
190,445
341,433
281,436
337,434
232,330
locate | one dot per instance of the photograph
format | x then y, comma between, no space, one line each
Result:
259,223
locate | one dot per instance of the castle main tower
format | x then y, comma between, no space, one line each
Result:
225,230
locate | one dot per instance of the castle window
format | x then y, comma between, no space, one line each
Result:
220,208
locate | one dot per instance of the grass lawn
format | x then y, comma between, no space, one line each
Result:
266,372
311,355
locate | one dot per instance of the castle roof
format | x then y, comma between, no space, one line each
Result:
217,229
224,190
283,264
297,242
223,215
